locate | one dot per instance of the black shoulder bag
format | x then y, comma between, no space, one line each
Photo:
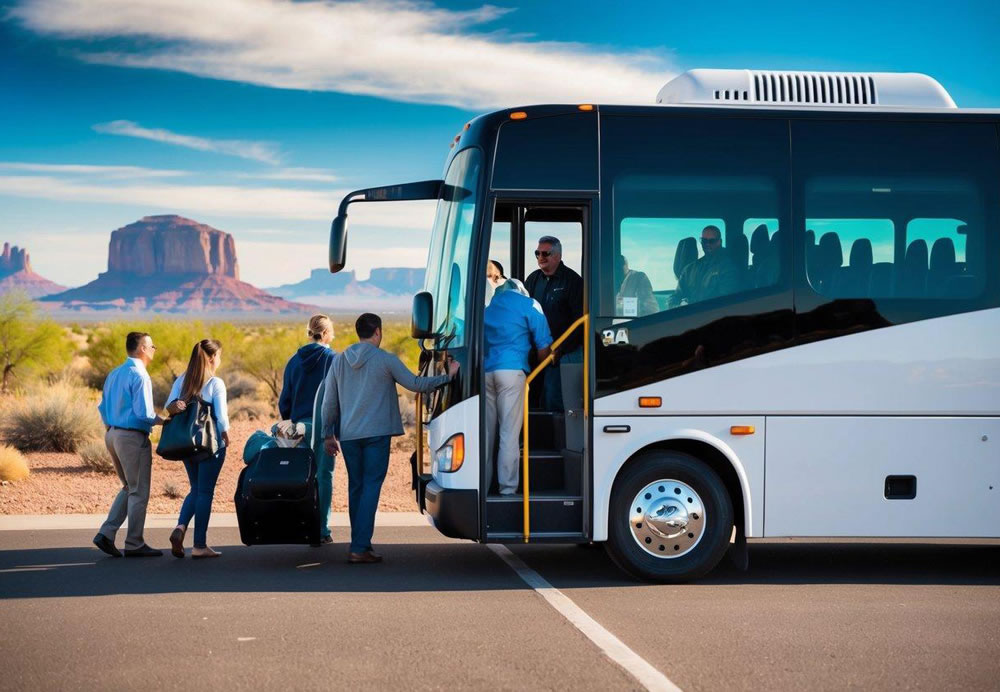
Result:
189,434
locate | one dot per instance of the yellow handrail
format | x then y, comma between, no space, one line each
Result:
420,433
584,320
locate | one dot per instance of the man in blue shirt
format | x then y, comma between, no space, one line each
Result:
128,414
514,323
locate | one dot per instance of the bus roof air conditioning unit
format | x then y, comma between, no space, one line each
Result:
783,88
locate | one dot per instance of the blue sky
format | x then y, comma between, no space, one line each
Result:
255,116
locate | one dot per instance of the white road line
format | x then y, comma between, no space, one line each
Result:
612,647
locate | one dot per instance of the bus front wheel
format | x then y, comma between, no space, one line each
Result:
670,518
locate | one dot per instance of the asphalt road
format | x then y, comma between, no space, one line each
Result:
448,614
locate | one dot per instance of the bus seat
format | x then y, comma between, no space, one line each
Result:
882,280
739,252
687,252
760,246
770,267
942,266
810,249
853,280
913,278
829,258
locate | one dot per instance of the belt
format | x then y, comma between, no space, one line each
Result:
116,427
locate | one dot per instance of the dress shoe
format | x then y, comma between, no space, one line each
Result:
106,545
144,551
177,543
367,557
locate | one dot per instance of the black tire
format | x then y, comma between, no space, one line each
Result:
653,466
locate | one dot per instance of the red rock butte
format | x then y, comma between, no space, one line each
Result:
172,264
16,274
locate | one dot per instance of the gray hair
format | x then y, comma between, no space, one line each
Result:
553,241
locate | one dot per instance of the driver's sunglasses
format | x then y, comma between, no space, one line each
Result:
542,253
710,241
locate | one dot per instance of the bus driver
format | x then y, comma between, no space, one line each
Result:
712,275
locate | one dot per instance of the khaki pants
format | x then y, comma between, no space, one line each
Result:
504,409
132,454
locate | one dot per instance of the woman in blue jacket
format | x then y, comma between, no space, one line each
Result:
304,374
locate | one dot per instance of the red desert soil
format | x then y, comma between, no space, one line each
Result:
61,484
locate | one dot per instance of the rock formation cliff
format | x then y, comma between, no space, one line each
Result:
16,274
172,264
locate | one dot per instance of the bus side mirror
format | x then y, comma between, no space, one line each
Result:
338,243
422,319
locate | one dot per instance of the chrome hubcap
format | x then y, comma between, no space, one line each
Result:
667,518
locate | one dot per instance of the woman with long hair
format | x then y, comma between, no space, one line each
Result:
199,380
301,388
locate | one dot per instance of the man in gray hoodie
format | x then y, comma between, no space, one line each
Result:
361,401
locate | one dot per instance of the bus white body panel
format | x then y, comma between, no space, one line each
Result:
841,415
745,453
837,488
459,418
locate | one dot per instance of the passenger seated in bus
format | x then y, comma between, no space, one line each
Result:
513,324
559,290
712,275
635,294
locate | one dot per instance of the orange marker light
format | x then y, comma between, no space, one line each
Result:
586,106
741,430
518,115
467,126
650,402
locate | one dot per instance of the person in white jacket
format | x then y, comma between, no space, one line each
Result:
199,380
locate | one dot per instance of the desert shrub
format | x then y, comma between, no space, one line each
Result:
13,465
95,455
58,418
240,385
250,408
172,491
29,346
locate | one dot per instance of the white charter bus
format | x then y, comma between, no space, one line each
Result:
843,381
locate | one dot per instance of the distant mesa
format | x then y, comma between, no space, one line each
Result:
386,285
16,274
174,265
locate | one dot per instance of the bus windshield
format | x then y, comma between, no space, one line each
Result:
451,241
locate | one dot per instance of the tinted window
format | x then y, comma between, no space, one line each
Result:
903,214
692,261
696,214
552,153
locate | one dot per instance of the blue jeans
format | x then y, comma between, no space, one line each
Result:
367,462
198,504
324,480
552,398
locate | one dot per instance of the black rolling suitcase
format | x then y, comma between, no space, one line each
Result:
276,498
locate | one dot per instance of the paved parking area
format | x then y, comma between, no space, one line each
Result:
442,613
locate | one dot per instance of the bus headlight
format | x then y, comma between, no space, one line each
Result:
450,456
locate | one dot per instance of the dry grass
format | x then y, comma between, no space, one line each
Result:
250,408
57,418
13,465
172,491
95,455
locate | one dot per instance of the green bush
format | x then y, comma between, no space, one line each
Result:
250,408
95,455
58,418
13,465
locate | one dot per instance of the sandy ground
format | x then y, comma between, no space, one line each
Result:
61,484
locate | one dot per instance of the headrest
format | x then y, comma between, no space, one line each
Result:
861,253
942,254
810,238
739,249
916,254
759,239
687,252
829,251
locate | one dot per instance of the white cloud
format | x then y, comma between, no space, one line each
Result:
306,175
405,50
221,200
255,151
90,170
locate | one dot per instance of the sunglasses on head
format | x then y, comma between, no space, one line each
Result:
543,253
